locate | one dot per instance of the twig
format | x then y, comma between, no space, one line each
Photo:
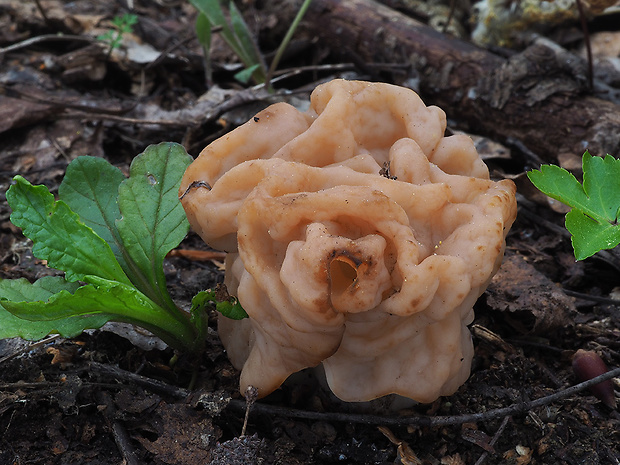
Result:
251,394
201,113
42,11
151,384
586,37
29,347
450,16
428,421
495,438
45,38
591,298
197,255
118,430
289,72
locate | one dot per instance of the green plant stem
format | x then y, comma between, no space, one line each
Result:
287,38
177,333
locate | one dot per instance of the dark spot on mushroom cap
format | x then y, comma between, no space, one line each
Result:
195,185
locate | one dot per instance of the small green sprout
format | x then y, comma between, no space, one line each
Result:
239,38
110,235
593,220
122,25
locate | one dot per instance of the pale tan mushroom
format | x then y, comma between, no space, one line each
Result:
359,237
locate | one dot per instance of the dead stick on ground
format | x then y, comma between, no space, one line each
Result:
121,437
431,421
494,440
251,394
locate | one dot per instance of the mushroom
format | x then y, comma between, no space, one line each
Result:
359,237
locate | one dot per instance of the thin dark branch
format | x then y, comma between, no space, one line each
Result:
450,16
42,11
448,420
586,38
495,438
121,436
430,421
591,298
151,384
46,38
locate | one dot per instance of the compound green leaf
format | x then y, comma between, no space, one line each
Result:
601,183
593,220
590,236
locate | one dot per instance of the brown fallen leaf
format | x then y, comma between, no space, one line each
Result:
532,302
405,453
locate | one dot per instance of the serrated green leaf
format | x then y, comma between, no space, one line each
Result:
21,290
593,220
599,197
559,184
153,221
601,183
590,236
90,188
58,234
104,300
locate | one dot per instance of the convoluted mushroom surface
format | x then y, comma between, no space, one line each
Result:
358,236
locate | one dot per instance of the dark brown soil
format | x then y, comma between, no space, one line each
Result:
101,399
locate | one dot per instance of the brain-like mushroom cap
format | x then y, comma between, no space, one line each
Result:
359,237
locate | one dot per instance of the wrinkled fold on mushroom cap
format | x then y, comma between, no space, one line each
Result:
359,237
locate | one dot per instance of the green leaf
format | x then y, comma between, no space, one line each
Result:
108,36
58,234
90,188
238,37
596,203
212,9
103,301
203,31
601,183
231,309
247,44
590,236
153,221
245,75
227,305
21,290
198,314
